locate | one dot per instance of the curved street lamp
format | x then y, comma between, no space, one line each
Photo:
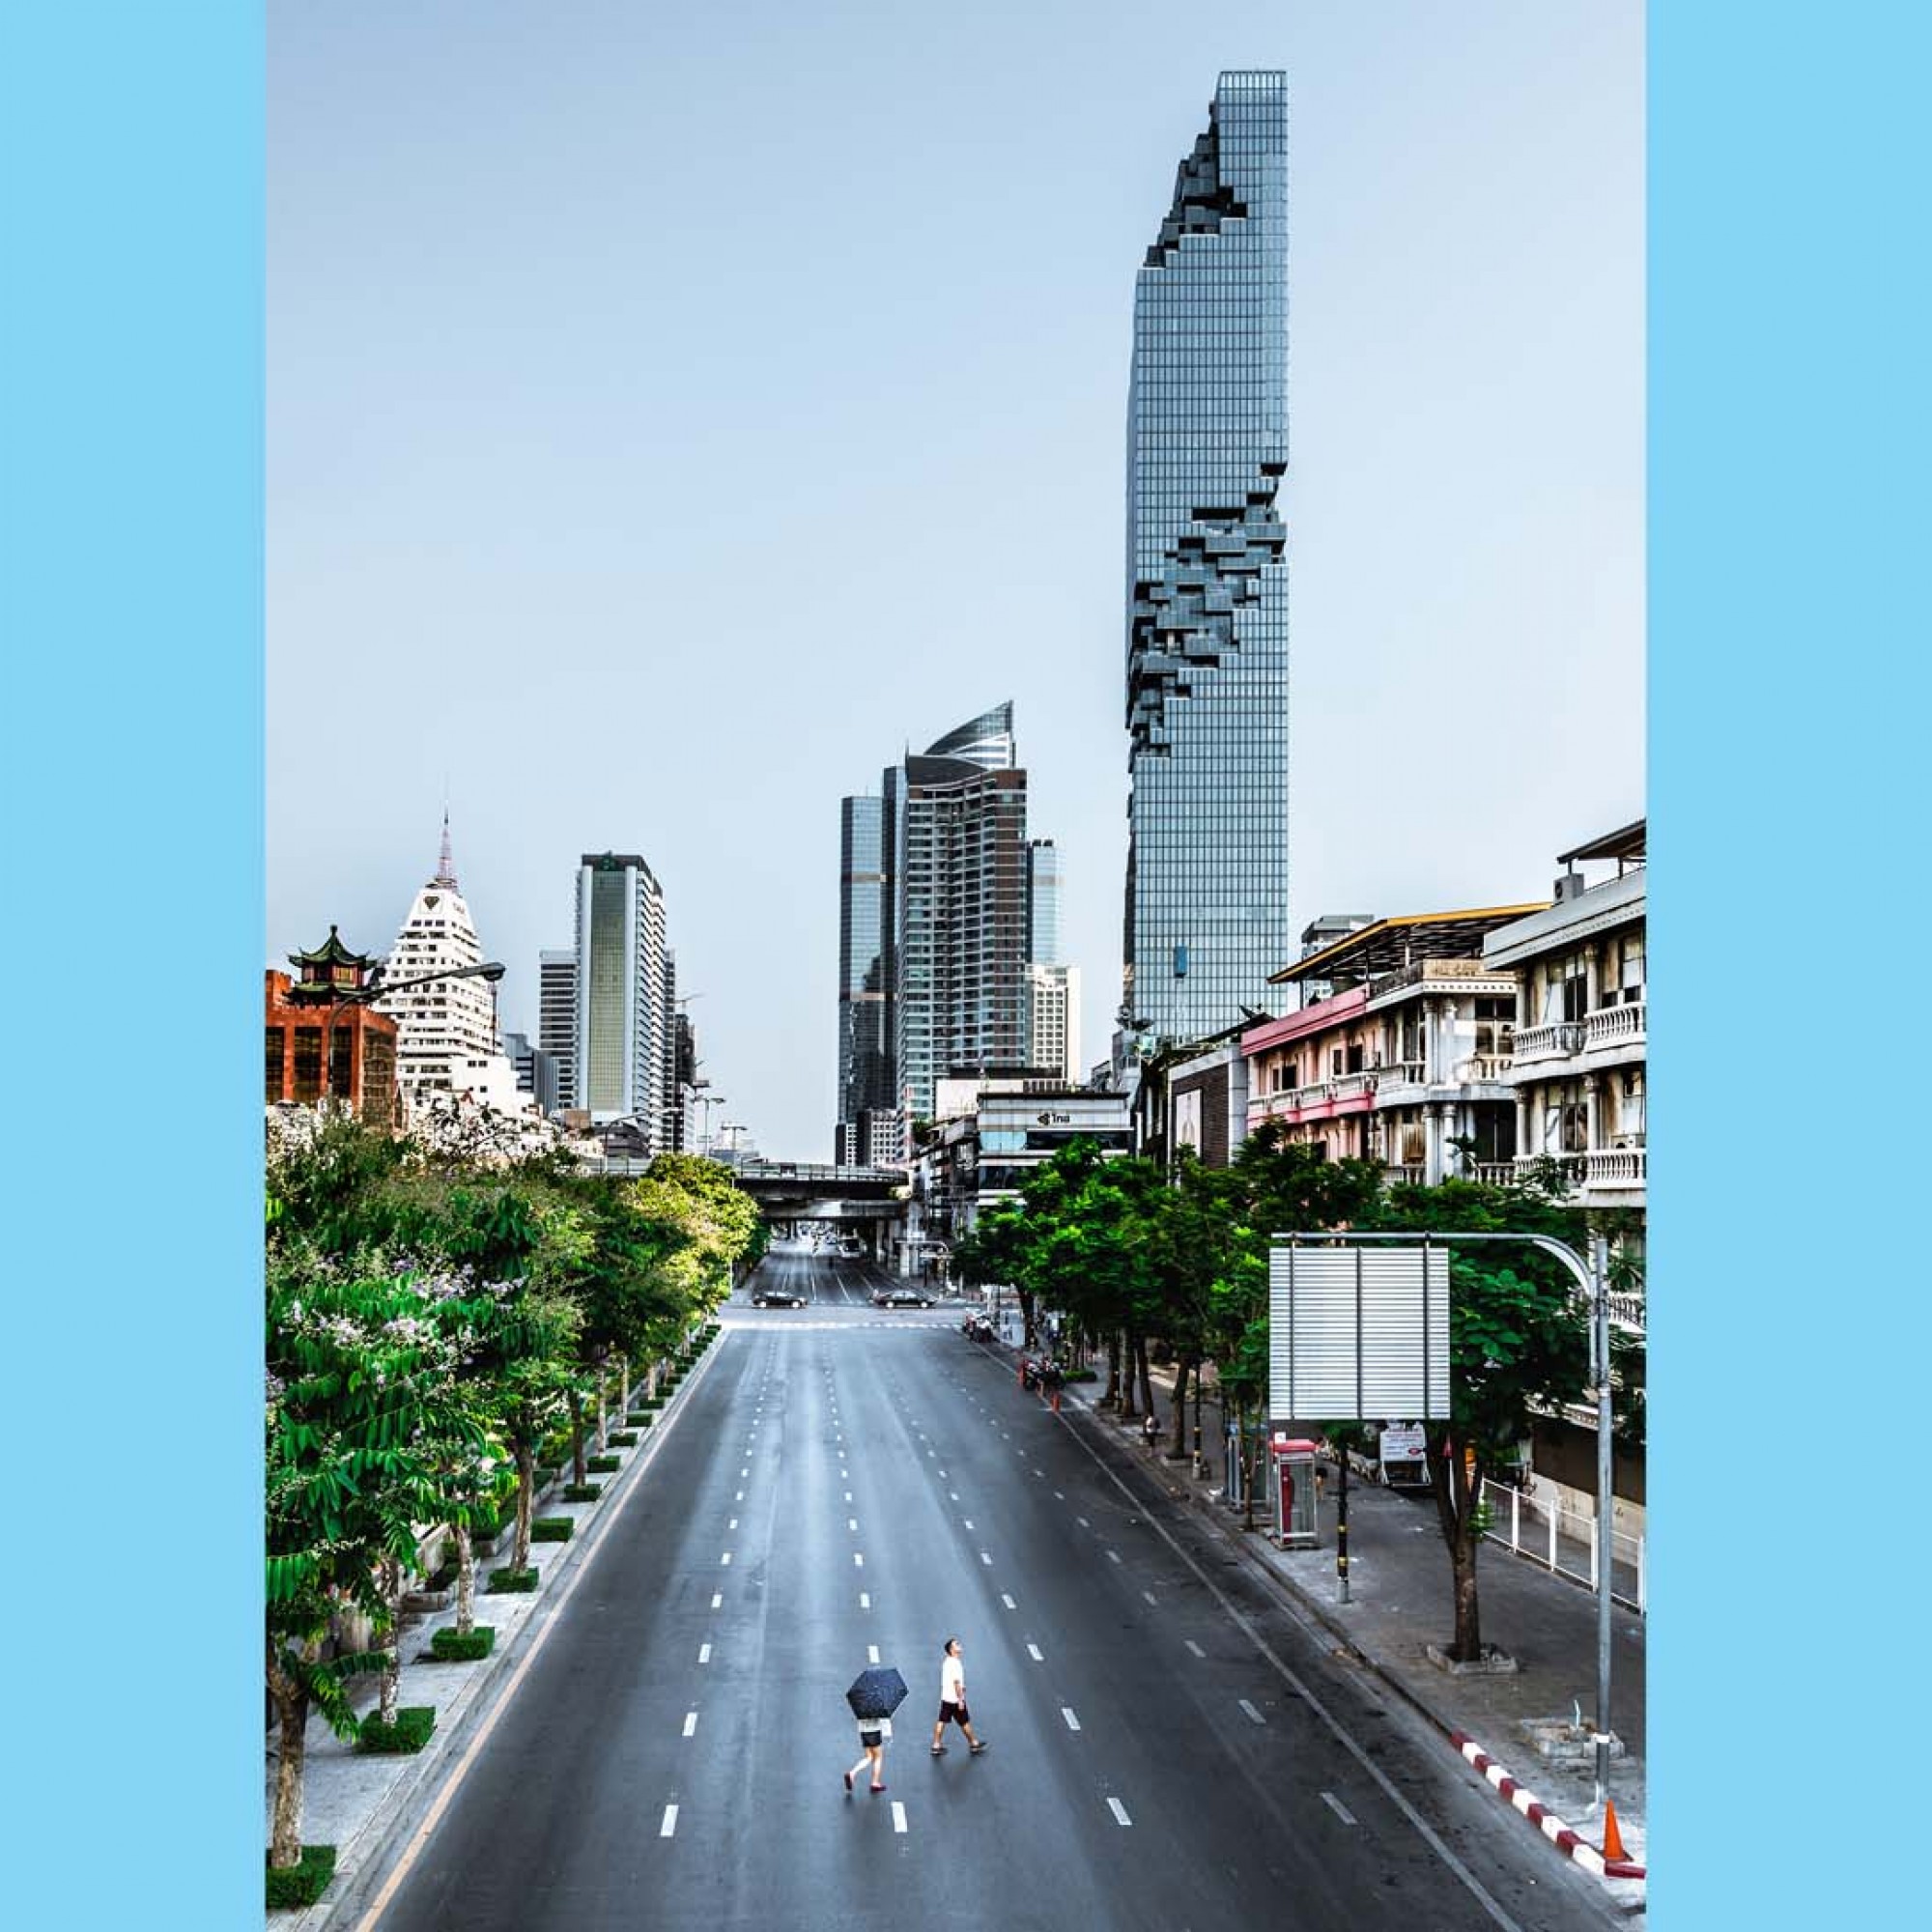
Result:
490,970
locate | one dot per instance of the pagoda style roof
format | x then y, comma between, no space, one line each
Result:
326,971
331,953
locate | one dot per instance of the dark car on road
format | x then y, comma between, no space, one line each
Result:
902,1297
776,1298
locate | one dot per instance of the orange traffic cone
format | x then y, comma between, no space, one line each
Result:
1614,1839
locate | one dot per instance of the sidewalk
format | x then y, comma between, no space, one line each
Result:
1400,1603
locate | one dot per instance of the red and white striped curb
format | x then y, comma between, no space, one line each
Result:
1546,1821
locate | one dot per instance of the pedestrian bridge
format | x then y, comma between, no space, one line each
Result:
802,1190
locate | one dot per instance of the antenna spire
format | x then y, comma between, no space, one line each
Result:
446,870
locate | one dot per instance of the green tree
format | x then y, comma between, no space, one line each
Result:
1519,1343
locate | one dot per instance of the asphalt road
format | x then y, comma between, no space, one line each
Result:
1170,1748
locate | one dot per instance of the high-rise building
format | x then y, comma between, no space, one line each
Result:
960,907
446,1031
556,1020
865,1004
536,1071
1206,656
1053,1020
934,895
623,1026
1044,879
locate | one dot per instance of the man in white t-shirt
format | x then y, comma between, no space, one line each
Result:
952,1702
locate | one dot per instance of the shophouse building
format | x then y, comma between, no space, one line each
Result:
1406,1062
1577,1069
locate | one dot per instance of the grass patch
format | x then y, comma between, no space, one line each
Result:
409,1733
298,1884
448,1646
512,1583
552,1529
604,1465
583,1492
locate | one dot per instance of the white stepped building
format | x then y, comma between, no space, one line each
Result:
446,1033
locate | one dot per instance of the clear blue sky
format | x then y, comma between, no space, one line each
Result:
674,414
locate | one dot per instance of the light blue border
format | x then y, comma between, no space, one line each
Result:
130,622
1788,544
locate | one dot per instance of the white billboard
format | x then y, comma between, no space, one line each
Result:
1358,1333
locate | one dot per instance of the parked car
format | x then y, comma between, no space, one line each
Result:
776,1298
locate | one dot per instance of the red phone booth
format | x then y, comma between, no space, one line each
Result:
1295,1491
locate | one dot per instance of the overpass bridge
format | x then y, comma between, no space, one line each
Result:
868,1199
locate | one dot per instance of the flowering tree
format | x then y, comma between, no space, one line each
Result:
360,1390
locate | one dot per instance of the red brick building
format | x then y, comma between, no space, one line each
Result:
327,1003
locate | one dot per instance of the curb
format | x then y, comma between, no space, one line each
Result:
1552,1827
372,1842
1541,1816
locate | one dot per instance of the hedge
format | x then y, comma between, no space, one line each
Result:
503,1583
448,1646
604,1465
621,1438
583,1492
552,1529
298,1884
409,1733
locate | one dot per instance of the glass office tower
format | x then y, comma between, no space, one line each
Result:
1206,900
866,1082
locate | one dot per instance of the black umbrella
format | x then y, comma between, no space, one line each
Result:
876,1693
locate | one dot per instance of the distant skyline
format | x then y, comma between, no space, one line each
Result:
668,414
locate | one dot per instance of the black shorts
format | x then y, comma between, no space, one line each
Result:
870,1740
957,1713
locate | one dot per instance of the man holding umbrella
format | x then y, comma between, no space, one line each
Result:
875,1695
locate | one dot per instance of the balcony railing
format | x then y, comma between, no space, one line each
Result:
1401,1073
1615,1167
1554,1041
1615,1026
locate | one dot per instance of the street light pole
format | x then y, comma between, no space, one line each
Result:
490,970
1593,1278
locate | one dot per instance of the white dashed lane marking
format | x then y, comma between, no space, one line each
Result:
689,1723
1033,1651
1195,1647
717,1600
898,1817
865,1600
1072,1723
871,1653
1336,1805
725,1558
858,1561
670,1823
1112,1555
704,1653
985,1557
1252,1711
1120,1811
1008,1601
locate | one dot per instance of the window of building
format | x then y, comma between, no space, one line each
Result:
1629,976
271,1082
308,1065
